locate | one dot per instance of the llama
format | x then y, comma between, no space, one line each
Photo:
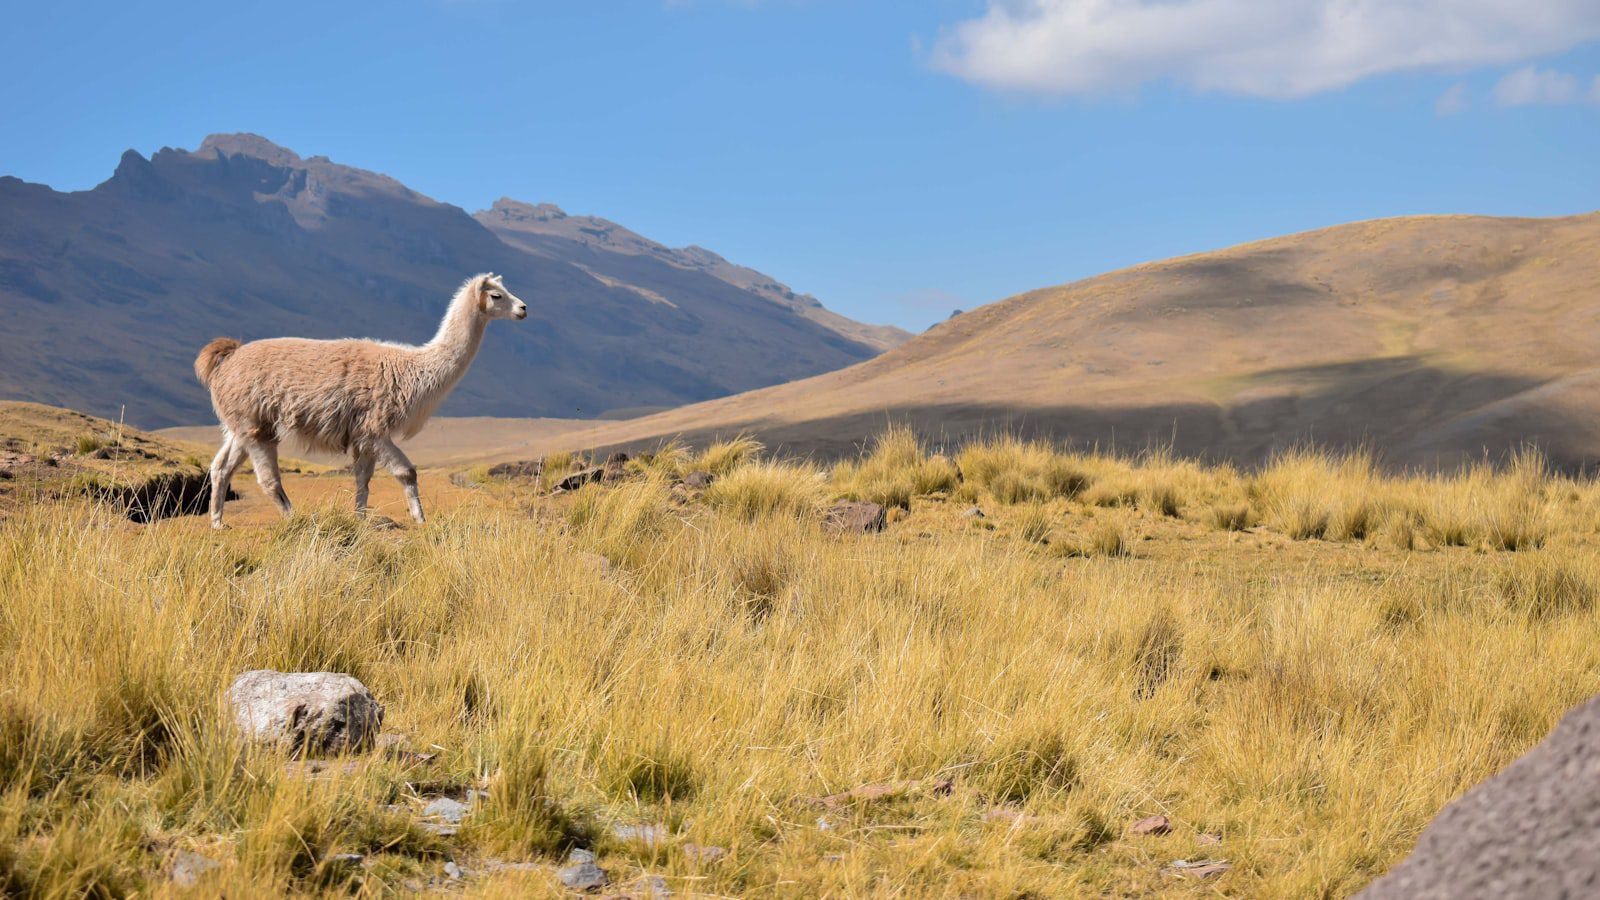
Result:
344,396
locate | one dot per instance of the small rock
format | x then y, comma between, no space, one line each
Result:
500,865
1200,868
384,523
855,517
704,854
353,860
651,835
582,874
698,481
440,830
187,868
305,712
444,809
452,871
650,886
973,512
460,480
1208,840
823,824
526,468
1153,825
579,478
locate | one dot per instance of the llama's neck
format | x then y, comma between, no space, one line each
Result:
442,361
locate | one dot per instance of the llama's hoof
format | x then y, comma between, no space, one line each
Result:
219,526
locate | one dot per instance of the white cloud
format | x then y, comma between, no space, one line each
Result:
1531,85
1452,101
1262,48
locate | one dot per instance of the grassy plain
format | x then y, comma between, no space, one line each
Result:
1298,666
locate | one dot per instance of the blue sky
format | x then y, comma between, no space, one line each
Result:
897,159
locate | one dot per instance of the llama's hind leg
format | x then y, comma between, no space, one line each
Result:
222,468
404,472
362,465
264,456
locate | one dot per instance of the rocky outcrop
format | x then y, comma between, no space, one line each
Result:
1531,831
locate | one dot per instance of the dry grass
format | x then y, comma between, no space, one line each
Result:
1314,703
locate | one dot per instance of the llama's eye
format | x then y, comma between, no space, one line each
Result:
495,295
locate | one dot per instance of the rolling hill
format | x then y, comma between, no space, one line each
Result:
108,293
1426,339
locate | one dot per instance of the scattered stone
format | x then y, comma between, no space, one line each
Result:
500,865
578,479
867,793
704,854
823,824
352,860
615,469
855,517
452,871
384,523
581,873
649,886
643,833
1533,830
973,512
460,480
698,481
526,468
447,810
1208,840
188,867
1200,868
305,712
1155,825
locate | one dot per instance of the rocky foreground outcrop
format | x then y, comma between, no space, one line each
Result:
1531,831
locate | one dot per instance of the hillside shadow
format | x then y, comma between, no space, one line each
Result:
1408,414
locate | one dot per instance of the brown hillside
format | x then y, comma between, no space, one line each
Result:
1426,338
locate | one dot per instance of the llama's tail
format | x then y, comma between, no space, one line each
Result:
211,356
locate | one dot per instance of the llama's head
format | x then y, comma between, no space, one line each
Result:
494,301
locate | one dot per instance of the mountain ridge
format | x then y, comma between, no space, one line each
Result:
110,291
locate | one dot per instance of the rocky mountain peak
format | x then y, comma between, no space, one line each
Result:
251,145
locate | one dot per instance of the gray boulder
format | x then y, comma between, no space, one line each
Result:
307,713
1531,831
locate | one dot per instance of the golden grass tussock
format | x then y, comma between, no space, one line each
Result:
767,488
896,469
1012,470
626,655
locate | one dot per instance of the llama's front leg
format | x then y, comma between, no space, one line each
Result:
223,466
402,469
362,465
264,456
